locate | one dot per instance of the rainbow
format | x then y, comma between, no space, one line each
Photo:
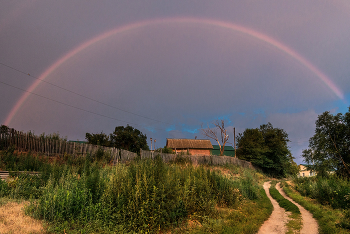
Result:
209,22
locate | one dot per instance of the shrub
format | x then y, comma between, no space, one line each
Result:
331,190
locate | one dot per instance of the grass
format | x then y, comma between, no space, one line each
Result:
246,218
13,219
329,219
331,190
85,195
283,202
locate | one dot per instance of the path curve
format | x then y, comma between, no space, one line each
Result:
276,224
310,225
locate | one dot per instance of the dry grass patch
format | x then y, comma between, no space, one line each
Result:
13,220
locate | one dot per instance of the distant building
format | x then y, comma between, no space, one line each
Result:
229,151
191,146
305,171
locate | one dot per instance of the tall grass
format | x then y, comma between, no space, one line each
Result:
329,220
142,197
84,195
12,161
331,191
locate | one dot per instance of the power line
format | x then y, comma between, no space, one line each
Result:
62,103
81,95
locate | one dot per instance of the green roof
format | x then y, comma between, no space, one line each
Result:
227,148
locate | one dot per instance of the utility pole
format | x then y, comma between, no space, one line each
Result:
151,143
234,139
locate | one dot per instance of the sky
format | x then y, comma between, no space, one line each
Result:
170,68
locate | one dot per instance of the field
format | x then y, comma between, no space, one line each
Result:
84,195
87,195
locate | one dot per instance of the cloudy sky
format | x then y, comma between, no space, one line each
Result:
169,67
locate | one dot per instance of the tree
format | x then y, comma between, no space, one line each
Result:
251,146
212,133
266,147
4,129
329,148
98,139
129,138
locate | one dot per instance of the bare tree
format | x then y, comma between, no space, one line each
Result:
213,134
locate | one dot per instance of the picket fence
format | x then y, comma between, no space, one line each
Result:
25,142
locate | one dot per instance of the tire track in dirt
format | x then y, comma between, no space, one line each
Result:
276,224
310,225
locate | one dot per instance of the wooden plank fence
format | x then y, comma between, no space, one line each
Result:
25,142
52,147
5,174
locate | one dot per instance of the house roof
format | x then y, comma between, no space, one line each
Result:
227,148
188,144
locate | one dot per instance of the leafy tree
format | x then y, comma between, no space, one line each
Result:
129,138
266,147
251,146
329,148
4,129
98,139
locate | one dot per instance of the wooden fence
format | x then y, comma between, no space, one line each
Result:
52,147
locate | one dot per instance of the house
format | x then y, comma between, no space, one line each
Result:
229,150
305,171
191,146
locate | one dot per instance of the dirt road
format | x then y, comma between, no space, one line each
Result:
310,225
276,224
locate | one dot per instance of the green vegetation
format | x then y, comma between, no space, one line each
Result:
86,195
330,220
127,138
331,190
266,147
329,148
284,203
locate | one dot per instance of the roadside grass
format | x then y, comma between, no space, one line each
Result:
295,222
331,190
329,219
254,208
